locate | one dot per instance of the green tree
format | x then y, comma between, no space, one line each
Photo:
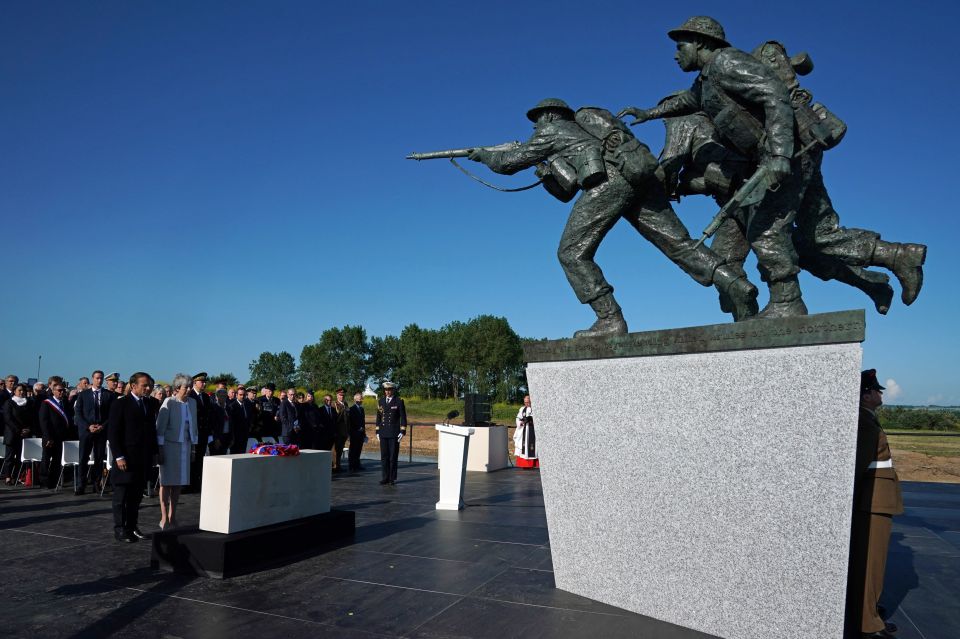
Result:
385,358
422,359
339,357
228,379
275,368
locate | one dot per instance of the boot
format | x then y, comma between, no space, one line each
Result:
785,300
906,262
609,318
737,295
876,285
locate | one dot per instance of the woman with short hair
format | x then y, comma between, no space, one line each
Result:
19,422
176,436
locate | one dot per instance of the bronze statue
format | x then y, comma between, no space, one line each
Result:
735,117
594,152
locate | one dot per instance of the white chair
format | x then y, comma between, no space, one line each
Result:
251,444
32,451
69,457
268,440
3,452
110,460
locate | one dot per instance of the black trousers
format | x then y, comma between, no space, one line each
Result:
126,504
389,454
12,457
338,445
96,443
50,464
356,447
196,464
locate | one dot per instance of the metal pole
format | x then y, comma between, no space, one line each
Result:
38,366
412,428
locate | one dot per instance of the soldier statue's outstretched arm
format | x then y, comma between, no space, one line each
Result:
680,103
525,155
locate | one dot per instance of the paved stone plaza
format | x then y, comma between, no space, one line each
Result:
411,571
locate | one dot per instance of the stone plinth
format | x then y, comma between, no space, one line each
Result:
453,447
708,489
247,491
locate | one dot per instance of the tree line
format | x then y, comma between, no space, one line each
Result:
482,355
919,418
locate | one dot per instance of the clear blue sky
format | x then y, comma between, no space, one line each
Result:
184,185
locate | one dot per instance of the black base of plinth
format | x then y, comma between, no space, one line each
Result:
196,552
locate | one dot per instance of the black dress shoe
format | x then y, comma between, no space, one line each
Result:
139,534
880,634
384,482
393,482
890,627
125,537
78,491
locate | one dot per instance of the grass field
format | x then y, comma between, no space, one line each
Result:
935,445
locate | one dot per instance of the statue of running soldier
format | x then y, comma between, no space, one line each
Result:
731,125
594,152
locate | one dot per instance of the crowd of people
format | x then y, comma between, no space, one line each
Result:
170,428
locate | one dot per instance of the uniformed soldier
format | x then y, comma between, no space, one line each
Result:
750,106
204,429
268,411
612,189
876,499
391,427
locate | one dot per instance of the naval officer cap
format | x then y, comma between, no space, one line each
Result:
389,385
868,381
113,377
202,377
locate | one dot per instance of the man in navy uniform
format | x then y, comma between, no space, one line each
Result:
90,414
391,427
204,429
358,432
876,499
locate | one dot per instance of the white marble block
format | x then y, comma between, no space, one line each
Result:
487,452
247,491
453,447
710,490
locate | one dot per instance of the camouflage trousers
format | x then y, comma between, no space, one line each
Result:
648,210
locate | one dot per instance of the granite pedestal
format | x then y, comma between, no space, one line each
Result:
704,476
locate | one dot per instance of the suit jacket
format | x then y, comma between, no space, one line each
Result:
328,420
54,425
4,398
169,422
357,419
392,417
132,433
875,490
204,404
343,419
288,416
85,410
16,419
241,418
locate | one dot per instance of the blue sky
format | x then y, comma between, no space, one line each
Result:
184,185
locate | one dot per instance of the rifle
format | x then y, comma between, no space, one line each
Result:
748,194
461,153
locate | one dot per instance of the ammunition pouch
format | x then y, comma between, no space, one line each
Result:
591,171
559,178
632,159
740,128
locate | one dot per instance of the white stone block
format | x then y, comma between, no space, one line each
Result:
247,491
711,490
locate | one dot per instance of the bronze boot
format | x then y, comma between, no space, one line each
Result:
737,295
785,300
609,318
906,262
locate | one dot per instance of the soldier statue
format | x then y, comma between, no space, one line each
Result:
595,152
747,113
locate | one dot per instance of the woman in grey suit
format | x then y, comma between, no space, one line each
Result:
176,436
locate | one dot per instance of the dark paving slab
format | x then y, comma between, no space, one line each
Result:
411,571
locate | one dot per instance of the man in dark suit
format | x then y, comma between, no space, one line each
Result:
6,392
391,427
876,499
132,432
326,433
91,413
204,429
289,419
55,426
240,411
342,433
268,411
357,422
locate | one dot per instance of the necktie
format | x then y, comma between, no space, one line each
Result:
143,406
96,395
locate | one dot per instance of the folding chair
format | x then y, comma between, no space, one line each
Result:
252,443
32,451
103,486
69,457
269,440
3,452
